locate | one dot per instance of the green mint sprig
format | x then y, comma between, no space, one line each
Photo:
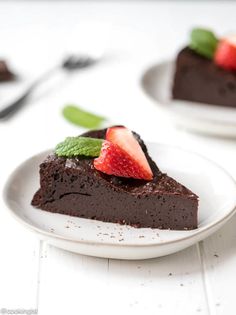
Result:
203,42
79,146
82,118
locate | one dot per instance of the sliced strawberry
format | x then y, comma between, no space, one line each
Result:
113,160
125,139
225,55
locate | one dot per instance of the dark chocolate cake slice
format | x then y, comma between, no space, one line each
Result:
5,73
74,187
199,79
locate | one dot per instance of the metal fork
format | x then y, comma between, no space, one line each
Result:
71,63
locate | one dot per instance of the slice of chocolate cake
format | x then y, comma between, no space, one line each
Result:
199,79
73,186
5,73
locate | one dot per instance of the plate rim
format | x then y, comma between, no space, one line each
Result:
196,232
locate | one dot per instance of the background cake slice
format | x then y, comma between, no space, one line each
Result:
5,73
74,187
199,79
205,71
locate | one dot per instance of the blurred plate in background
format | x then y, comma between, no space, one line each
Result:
209,119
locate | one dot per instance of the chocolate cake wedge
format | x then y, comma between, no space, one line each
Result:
205,70
5,73
198,79
73,186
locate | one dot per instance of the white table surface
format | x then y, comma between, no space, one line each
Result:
34,36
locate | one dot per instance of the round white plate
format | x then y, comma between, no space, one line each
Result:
216,189
209,119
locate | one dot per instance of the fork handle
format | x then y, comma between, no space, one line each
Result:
15,106
9,110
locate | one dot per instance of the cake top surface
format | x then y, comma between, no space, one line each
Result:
80,165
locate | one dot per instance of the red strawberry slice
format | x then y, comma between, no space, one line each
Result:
225,55
125,139
113,160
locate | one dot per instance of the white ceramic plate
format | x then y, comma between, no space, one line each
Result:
209,119
216,189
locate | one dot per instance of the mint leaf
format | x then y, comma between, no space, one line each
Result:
76,146
82,118
203,42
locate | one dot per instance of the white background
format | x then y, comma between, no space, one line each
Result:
34,37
